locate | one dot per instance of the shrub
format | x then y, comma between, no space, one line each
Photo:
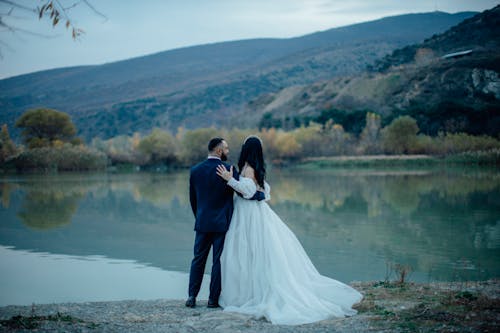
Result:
453,143
158,147
65,158
309,139
400,136
194,144
235,138
334,140
279,145
121,149
489,157
287,146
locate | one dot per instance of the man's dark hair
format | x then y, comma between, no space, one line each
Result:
214,143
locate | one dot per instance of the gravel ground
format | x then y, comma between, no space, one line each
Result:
387,307
158,316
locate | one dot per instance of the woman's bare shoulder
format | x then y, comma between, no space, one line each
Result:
248,172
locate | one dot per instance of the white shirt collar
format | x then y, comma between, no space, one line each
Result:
210,157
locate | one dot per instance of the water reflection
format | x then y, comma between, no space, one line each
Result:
429,220
49,278
443,223
48,209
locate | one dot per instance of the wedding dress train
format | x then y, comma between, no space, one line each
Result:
266,272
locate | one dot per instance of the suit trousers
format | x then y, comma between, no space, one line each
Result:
203,242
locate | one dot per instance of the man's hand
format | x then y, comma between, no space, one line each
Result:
259,196
222,172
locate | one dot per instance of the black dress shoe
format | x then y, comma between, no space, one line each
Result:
212,304
191,302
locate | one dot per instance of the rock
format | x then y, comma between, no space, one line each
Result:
486,81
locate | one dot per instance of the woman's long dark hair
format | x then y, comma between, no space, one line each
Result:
251,153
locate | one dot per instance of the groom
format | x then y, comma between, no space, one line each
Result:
212,204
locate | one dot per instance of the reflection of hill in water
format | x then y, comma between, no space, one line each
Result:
350,222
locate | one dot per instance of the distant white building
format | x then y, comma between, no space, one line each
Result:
457,54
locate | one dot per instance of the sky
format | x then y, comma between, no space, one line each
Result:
133,28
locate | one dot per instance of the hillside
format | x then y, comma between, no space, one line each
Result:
480,33
204,85
443,94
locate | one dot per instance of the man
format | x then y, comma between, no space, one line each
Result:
212,205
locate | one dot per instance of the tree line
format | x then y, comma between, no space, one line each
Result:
49,142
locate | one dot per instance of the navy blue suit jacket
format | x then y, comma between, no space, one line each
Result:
211,198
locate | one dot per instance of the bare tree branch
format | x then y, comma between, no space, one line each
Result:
94,9
73,5
16,5
55,10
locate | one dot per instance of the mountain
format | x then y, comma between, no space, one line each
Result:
449,82
208,84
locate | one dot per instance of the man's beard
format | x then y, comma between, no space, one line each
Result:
223,157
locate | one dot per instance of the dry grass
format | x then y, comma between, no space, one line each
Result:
444,307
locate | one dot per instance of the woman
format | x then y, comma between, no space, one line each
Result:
265,271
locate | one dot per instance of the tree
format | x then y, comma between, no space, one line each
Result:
352,121
279,145
309,138
43,127
121,149
334,139
369,141
194,144
7,147
159,147
287,146
400,136
268,121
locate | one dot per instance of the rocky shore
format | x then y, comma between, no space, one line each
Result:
386,307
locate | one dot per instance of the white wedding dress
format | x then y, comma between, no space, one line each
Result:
266,272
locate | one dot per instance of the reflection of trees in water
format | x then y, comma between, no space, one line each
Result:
329,191
402,192
51,201
310,190
46,209
6,189
293,190
429,220
488,236
424,220
163,190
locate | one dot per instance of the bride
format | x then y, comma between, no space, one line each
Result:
265,270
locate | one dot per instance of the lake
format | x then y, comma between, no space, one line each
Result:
92,237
